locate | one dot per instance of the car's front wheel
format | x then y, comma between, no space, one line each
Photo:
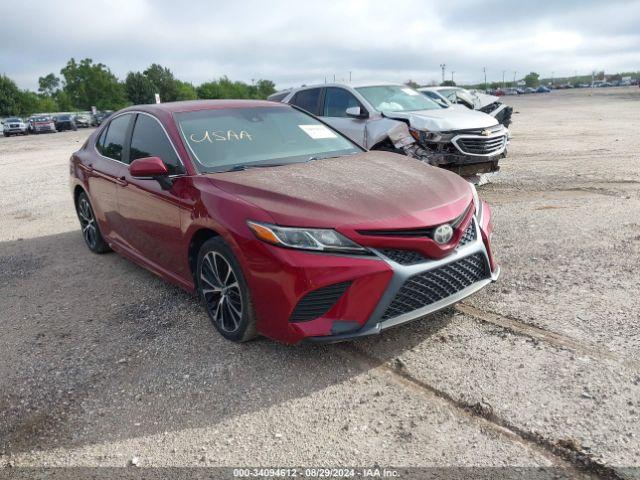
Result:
224,291
89,225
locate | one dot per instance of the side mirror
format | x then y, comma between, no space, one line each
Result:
356,112
151,168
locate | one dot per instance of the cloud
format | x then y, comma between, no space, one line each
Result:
294,42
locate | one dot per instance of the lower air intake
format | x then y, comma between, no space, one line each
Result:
318,302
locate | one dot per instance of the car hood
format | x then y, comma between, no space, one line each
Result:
482,99
445,119
367,190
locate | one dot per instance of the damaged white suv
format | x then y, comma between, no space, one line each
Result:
398,118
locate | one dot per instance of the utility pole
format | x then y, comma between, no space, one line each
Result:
349,76
484,70
443,66
552,75
514,78
452,72
503,72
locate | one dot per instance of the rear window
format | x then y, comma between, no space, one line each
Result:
307,100
219,140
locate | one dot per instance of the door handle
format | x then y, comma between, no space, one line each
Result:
122,181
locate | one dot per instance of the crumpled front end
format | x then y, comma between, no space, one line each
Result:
465,152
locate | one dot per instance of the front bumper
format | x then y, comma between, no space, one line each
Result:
467,147
376,323
43,129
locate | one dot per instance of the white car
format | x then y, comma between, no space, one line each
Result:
474,100
14,126
467,142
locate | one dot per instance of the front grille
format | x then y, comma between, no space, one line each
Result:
480,145
403,257
429,287
318,302
469,234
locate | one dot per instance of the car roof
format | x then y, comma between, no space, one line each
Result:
348,85
194,105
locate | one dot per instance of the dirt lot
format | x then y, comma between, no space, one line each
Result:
103,362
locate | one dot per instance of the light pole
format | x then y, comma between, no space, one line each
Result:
503,72
484,70
443,66
452,72
514,78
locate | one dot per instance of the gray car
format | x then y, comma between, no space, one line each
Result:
465,141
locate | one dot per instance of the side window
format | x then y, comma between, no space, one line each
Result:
113,142
336,102
149,140
308,100
100,144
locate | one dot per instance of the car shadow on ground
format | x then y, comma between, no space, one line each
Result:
97,349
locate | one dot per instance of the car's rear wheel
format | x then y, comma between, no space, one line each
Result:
224,291
89,225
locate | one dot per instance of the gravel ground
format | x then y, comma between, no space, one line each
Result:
103,362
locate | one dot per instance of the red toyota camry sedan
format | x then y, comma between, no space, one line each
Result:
282,226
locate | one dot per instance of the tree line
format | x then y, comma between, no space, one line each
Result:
83,84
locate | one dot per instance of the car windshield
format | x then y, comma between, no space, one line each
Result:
41,119
236,138
64,117
12,119
396,98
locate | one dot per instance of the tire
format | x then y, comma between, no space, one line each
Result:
89,225
225,294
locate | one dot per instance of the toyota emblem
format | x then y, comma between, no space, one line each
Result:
443,234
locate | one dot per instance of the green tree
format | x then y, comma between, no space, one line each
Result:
164,82
49,84
9,96
64,102
185,91
139,88
88,84
208,90
412,84
532,79
265,88
448,83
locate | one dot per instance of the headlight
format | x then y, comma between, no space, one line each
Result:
325,240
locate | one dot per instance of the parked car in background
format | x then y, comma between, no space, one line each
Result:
281,224
529,90
101,117
65,122
82,120
14,126
473,100
42,124
543,89
400,119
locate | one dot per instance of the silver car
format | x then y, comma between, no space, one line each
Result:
465,141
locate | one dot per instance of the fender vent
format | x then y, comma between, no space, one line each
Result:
318,302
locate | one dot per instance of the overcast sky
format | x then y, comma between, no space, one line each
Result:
295,42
